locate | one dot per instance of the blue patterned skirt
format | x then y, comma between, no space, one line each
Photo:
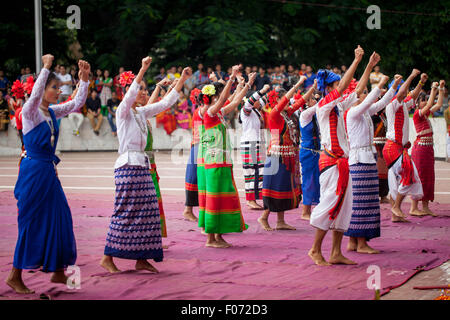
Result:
365,222
135,229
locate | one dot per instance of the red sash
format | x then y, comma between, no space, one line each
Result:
327,159
391,152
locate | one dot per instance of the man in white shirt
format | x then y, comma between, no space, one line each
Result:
65,85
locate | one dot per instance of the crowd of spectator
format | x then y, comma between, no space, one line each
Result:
105,92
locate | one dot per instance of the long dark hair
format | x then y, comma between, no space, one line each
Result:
51,77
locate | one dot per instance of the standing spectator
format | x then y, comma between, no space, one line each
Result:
189,84
161,75
56,70
4,110
255,69
113,104
98,81
219,73
310,76
337,70
171,73
248,70
65,84
74,75
117,86
27,74
22,73
4,82
328,67
447,121
277,79
93,105
302,69
375,77
105,94
343,69
200,76
261,79
179,71
292,77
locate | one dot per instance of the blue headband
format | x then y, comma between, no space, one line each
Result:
325,77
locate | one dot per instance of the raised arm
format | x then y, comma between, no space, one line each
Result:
214,109
440,101
123,111
295,88
415,93
248,106
348,75
434,89
155,93
388,96
374,59
151,110
405,86
31,107
239,96
63,109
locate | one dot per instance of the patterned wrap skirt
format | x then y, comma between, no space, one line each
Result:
191,184
135,228
365,221
281,188
423,158
253,164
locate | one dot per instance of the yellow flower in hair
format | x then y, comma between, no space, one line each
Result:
209,90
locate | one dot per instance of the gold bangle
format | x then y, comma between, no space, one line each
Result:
420,83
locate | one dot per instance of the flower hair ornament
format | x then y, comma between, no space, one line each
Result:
17,90
29,84
126,78
194,95
209,90
272,98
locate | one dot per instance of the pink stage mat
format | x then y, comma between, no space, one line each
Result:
260,265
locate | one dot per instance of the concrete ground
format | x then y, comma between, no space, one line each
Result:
82,173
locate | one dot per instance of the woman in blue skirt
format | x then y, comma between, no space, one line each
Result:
46,236
309,157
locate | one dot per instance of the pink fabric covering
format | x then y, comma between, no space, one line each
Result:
260,265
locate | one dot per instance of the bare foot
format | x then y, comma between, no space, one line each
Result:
216,244
265,224
418,213
253,205
318,258
188,215
391,201
398,219
384,200
145,265
284,226
429,212
59,277
203,232
352,244
223,244
306,216
109,265
398,212
367,249
18,286
340,259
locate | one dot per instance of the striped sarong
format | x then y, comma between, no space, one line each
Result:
253,164
135,228
190,184
365,221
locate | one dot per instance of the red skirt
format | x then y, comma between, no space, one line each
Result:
423,157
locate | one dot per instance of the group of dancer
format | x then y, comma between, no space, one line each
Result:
341,179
